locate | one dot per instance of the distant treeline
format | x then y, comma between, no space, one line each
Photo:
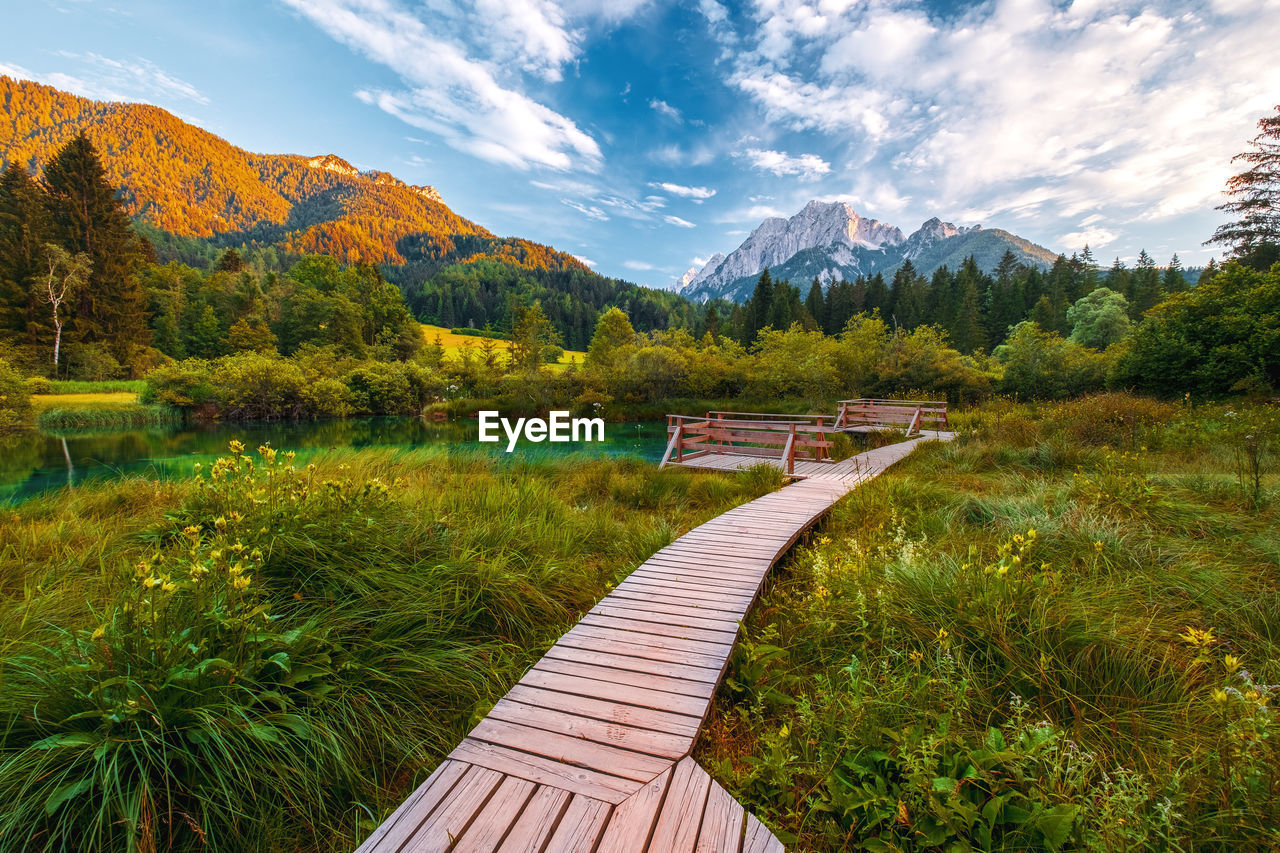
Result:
976,309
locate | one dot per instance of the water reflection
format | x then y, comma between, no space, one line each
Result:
37,462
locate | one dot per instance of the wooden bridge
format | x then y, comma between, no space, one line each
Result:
800,445
590,751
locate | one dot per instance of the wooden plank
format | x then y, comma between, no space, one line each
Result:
722,823
568,749
637,650
733,584
708,568
717,552
613,692
497,816
531,830
696,675
688,589
676,830
716,608
634,676
647,741
703,616
718,648
660,629
759,839
631,823
704,577
416,808
684,617
579,827
544,771
670,722
455,814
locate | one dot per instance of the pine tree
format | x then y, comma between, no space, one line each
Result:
758,307
1174,279
713,323
25,227
1255,199
230,262
877,294
1145,285
816,305
87,217
965,323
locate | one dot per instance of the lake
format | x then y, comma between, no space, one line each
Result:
34,463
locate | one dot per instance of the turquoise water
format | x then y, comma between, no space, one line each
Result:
35,463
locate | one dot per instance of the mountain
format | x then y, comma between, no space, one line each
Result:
189,182
830,241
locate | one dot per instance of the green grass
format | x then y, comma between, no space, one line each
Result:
104,416
110,386
271,658
453,342
999,644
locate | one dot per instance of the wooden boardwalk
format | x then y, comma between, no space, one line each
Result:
590,751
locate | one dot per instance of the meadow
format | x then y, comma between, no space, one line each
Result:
1060,631
454,343
268,656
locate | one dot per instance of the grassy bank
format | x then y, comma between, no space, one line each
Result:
271,658
1061,631
97,409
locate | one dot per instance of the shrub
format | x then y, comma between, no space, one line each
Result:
15,399
39,385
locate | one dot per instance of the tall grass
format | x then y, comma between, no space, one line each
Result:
105,415
1057,632
106,386
270,656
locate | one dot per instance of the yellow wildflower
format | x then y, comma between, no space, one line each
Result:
1219,695
99,633
1231,663
1097,546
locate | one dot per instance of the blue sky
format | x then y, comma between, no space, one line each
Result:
644,136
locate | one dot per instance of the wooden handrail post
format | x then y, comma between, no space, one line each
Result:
680,442
789,454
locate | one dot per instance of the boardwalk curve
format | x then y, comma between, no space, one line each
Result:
590,750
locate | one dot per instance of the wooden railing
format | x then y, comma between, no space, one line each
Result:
746,434
911,415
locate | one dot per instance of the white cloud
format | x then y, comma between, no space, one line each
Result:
586,261
1094,238
588,210
663,108
808,166
639,266
695,193
105,79
1025,109
461,97
678,222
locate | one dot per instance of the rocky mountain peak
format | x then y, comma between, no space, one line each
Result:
830,240
333,163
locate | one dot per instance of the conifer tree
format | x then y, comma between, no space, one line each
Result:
1255,199
87,217
1145,286
758,307
816,305
1174,279
25,227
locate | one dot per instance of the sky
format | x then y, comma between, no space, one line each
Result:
643,136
